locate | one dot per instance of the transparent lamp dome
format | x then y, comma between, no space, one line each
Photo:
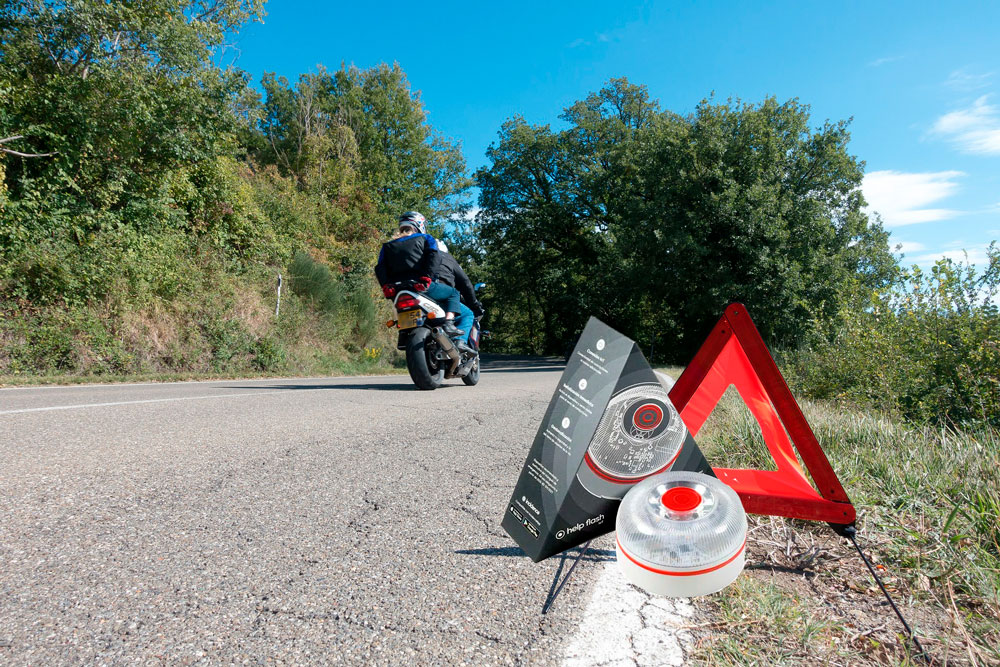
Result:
640,434
681,534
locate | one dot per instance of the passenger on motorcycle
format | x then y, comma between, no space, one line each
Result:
413,255
451,273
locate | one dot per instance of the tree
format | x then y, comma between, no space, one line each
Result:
655,221
128,102
367,123
539,247
120,91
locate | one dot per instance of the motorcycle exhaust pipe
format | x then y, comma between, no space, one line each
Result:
448,348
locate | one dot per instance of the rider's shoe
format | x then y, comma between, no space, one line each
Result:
447,325
449,328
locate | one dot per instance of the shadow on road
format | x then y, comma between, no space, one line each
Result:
592,555
367,385
512,363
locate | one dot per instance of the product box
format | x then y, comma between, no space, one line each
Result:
609,425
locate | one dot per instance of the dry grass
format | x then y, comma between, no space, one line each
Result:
227,332
928,503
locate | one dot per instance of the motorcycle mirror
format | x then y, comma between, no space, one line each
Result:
479,286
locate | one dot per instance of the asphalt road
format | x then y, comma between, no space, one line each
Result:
332,520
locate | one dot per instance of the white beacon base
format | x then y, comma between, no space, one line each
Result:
681,534
679,584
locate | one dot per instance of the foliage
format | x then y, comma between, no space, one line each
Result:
314,280
362,134
347,305
654,221
929,348
163,188
122,94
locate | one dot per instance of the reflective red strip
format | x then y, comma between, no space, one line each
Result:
682,574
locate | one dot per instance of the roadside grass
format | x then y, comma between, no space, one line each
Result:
752,607
928,504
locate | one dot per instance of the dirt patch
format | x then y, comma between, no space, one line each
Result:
249,307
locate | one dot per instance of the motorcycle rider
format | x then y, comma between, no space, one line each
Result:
412,255
451,273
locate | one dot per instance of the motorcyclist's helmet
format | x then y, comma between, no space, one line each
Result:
415,220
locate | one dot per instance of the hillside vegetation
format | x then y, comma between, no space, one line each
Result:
150,197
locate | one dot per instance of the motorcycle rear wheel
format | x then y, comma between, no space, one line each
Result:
422,370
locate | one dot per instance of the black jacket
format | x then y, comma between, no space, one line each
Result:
451,274
408,258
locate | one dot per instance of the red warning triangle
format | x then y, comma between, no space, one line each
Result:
735,354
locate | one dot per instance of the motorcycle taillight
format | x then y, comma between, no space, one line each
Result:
406,301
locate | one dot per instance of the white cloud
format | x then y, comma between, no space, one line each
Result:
971,255
975,129
465,218
967,81
599,38
901,198
878,62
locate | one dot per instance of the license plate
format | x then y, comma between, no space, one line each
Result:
408,319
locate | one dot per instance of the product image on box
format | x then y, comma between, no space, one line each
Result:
639,435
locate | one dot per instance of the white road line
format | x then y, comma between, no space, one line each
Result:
625,626
148,400
98,385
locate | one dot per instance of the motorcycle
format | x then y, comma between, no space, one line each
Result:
431,355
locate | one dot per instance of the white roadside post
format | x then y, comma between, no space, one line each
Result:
277,306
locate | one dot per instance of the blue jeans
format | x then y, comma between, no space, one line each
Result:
464,319
444,296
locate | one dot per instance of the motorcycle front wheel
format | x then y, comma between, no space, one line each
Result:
473,376
420,363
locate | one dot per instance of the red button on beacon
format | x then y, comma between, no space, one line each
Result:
681,499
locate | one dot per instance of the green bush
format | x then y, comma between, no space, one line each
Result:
315,281
347,300
269,354
41,347
60,340
364,309
928,349
230,342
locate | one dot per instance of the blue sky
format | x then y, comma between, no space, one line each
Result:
920,79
